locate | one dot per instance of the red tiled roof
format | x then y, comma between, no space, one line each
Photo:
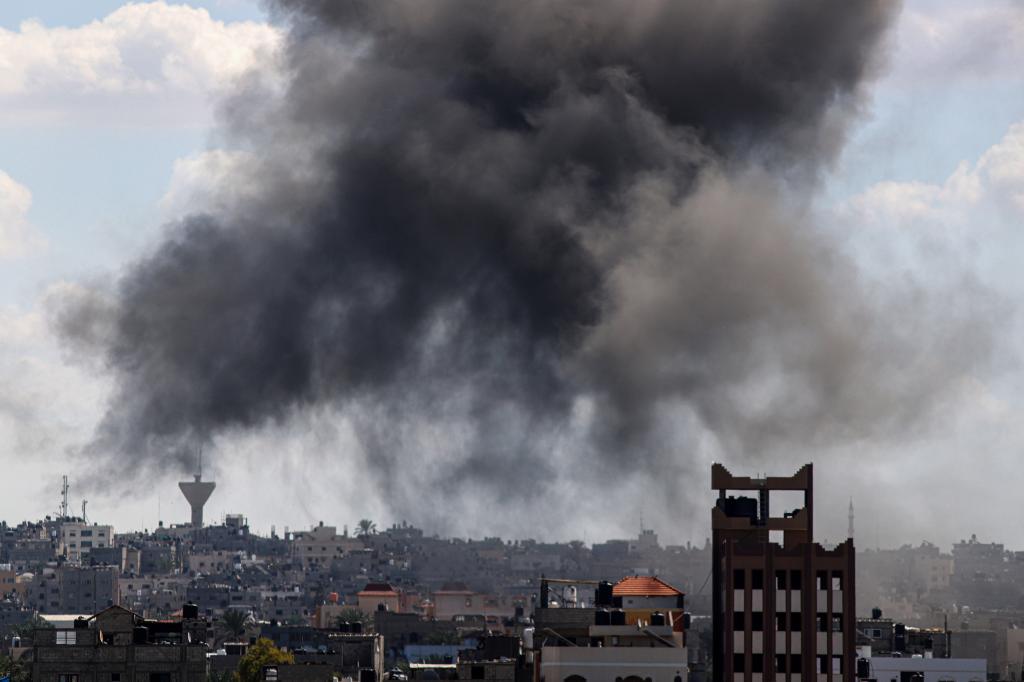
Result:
644,586
378,590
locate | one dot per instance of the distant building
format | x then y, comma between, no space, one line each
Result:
378,597
320,545
78,539
73,589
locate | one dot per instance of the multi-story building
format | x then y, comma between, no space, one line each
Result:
783,606
117,644
78,539
71,589
320,545
573,643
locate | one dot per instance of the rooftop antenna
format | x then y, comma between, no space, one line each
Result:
64,498
849,531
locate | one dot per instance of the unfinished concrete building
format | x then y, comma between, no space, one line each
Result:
783,605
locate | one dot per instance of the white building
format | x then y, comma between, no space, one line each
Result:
897,669
78,539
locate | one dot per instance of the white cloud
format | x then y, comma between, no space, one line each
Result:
46,407
941,42
995,181
174,56
17,236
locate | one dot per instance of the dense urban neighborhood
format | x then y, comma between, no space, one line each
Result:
201,601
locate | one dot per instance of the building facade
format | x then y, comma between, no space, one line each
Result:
783,605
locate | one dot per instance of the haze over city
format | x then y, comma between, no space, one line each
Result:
609,262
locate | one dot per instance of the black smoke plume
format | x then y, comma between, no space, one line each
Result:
519,242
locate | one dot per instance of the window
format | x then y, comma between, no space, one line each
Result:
86,533
86,543
757,663
822,580
837,580
737,620
67,677
874,633
823,664
780,580
821,622
780,622
160,677
66,637
270,673
795,579
780,663
757,621
115,677
794,663
739,578
837,665
757,579
795,621
837,623
737,663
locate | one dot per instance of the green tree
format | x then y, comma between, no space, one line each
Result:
233,622
27,629
221,676
18,671
260,655
366,527
352,615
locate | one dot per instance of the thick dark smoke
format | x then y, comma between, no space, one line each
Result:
515,240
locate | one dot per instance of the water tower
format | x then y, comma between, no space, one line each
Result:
197,492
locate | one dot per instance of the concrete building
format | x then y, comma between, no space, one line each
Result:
118,645
321,545
78,539
73,589
455,600
378,597
597,644
783,606
907,669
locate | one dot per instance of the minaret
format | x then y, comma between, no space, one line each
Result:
849,531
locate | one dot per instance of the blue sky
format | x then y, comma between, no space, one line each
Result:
98,152
76,12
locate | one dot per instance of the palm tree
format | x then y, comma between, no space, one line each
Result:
233,622
366,527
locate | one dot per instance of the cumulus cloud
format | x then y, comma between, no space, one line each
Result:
147,51
994,181
17,236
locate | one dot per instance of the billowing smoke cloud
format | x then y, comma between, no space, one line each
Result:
523,242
